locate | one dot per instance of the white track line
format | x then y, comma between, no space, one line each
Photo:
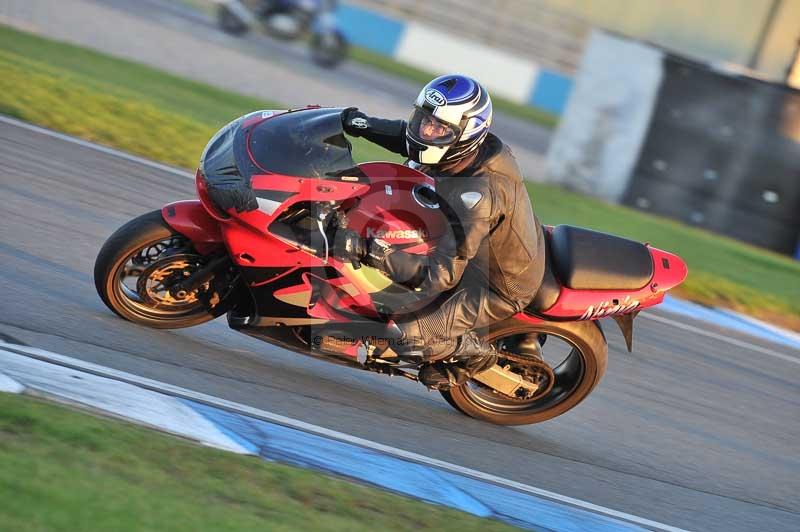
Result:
791,335
97,147
188,175
720,337
184,393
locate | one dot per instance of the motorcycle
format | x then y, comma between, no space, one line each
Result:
274,187
289,20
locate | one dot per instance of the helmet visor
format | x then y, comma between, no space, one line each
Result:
427,129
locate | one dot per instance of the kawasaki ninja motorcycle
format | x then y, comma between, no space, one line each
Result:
273,189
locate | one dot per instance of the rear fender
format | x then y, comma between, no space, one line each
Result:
669,270
190,219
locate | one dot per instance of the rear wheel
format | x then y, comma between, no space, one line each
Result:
229,22
138,272
572,361
328,49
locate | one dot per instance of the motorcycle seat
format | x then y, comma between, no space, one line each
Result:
589,260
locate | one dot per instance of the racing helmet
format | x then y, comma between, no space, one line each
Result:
451,117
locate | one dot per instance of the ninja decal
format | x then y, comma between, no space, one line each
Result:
606,308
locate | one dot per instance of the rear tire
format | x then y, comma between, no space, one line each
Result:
586,366
229,22
329,50
142,233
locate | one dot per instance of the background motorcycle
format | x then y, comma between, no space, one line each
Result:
289,20
275,186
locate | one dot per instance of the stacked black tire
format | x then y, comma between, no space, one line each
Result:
723,153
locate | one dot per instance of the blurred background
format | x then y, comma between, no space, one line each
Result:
685,109
675,123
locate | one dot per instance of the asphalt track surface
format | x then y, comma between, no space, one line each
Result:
689,430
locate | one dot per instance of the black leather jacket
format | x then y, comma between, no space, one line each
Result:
497,240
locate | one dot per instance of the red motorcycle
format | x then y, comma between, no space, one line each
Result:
275,186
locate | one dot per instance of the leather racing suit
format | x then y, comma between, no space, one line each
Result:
492,264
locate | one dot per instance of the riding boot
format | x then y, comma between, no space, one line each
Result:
471,356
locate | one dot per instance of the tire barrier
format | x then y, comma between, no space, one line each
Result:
715,149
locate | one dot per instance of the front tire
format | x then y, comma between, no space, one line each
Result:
575,377
148,246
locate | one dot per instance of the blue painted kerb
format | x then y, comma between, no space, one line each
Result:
728,320
551,91
292,446
370,29
382,34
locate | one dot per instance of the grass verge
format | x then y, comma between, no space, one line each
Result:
67,470
120,103
163,117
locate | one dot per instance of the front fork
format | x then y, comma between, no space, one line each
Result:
190,219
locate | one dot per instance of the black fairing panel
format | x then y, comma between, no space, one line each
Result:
220,165
586,260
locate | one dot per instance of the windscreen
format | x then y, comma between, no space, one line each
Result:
308,143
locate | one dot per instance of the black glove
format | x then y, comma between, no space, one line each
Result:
354,122
377,251
349,246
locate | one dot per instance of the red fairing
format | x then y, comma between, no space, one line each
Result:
298,189
593,304
389,210
251,248
191,219
670,270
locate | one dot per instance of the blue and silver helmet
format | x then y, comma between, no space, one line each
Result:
451,117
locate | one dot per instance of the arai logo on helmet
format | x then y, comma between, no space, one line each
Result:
435,97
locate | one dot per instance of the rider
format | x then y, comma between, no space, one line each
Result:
493,264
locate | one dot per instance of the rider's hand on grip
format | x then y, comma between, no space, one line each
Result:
377,251
354,122
349,246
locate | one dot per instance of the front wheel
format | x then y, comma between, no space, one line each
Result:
572,361
138,274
